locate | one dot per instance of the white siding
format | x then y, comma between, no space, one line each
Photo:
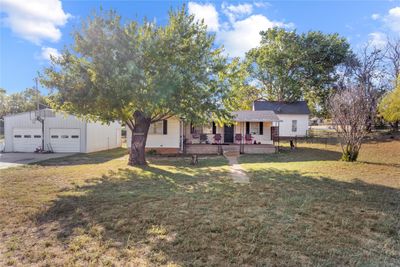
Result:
265,138
103,136
93,136
169,140
60,121
285,126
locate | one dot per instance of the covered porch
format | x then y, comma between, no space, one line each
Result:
252,132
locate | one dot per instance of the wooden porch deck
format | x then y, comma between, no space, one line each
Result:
210,149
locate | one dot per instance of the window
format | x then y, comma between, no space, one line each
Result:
27,136
294,125
54,136
254,128
156,128
74,136
17,136
64,136
37,136
207,129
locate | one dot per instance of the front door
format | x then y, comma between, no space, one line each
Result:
228,134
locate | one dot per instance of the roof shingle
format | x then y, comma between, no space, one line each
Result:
279,107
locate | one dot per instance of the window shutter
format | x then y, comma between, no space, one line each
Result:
214,128
247,127
261,128
191,128
165,127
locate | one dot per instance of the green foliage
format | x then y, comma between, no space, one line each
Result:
115,69
241,93
19,102
288,66
389,106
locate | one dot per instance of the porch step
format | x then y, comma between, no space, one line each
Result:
231,151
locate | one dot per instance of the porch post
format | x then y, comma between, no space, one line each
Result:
182,136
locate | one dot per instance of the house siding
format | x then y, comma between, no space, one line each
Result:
103,136
169,140
265,138
285,126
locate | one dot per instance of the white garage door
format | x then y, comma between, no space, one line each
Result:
26,139
65,140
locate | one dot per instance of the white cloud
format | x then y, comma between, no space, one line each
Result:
242,31
262,4
375,16
35,20
377,39
206,12
49,51
236,11
245,34
392,19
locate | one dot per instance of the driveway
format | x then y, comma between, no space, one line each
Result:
8,160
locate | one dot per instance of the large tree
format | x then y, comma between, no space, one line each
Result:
140,74
288,66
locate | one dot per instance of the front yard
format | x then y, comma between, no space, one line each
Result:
301,208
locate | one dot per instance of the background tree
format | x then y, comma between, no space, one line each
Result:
347,109
389,107
3,103
370,73
393,56
241,92
288,66
20,102
140,74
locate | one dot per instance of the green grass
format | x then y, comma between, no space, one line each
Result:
301,207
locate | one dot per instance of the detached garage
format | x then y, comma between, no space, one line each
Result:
62,133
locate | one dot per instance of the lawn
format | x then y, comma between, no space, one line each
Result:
301,207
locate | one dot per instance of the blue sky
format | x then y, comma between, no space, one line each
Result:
32,30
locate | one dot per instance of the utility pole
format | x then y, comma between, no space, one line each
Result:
38,117
37,94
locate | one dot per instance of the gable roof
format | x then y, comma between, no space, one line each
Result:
280,107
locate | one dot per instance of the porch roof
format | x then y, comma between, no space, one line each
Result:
255,115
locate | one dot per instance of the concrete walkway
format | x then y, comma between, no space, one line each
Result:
238,174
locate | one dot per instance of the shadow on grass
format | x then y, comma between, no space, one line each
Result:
197,216
395,165
89,158
297,155
86,158
108,155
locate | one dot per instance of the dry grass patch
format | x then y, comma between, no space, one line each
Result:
301,208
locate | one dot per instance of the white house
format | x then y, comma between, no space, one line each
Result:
62,133
253,131
293,116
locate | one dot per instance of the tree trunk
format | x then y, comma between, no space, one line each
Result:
350,152
395,126
137,155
